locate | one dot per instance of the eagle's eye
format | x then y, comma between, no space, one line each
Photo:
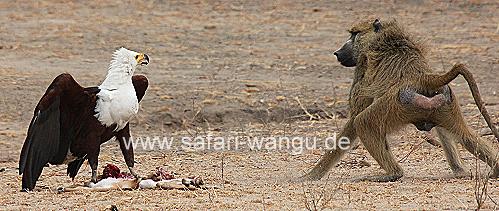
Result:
136,56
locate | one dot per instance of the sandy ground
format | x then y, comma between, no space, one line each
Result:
239,68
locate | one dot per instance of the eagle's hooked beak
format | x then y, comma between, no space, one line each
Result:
142,59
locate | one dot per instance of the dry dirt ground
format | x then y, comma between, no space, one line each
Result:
239,68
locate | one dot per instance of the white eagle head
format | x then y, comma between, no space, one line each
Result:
123,66
125,61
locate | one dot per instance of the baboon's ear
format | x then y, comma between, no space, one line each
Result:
377,25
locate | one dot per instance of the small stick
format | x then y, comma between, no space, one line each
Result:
312,117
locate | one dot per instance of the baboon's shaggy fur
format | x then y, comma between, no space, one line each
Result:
394,86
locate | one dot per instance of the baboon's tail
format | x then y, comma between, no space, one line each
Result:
436,81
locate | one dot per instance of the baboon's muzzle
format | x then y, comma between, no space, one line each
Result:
345,55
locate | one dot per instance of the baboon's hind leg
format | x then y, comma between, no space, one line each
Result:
452,120
483,150
451,152
371,127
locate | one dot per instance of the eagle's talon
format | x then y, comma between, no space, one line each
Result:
133,173
94,178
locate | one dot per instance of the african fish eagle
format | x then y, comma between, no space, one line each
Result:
70,122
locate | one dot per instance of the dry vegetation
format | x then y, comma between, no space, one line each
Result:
241,68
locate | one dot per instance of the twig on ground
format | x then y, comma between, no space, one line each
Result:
312,117
222,169
317,202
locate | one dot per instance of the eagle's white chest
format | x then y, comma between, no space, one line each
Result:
117,106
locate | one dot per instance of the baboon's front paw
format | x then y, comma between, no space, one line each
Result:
461,174
381,178
306,178
312,177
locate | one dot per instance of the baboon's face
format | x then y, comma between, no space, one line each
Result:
360,36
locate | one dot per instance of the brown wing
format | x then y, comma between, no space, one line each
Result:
55,123
140,83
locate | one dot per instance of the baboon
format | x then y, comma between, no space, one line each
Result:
394,86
